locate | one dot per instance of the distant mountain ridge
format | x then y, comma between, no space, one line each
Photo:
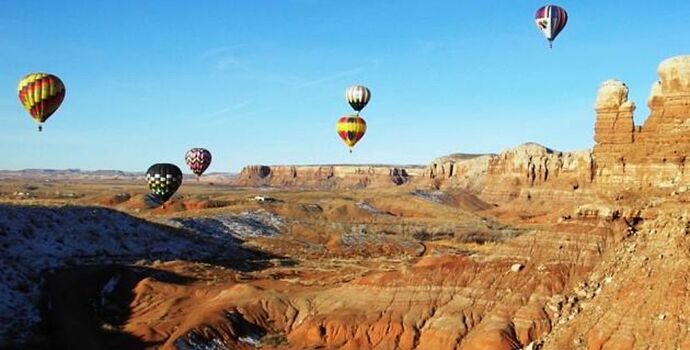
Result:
103,174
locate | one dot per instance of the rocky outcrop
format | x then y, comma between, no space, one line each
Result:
327,176
646,273
532,171
466,171
625,156
255,172
614,124
653,155
529,170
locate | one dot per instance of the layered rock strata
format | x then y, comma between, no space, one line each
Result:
652,155
327,176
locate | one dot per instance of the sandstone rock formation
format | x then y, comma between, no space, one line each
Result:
527,171
532,171
625,157
459,171
521,171
446,302
636,298
614,124
327,176
653,155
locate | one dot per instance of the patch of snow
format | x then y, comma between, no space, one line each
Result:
251,339
36,239
236,227
432,196
370,208
193,342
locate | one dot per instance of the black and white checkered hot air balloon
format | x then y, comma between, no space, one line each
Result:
164,179
358,96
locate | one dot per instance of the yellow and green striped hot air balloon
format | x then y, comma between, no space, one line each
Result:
351,129
41,95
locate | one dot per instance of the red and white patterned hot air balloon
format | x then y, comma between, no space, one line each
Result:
551,20
198,160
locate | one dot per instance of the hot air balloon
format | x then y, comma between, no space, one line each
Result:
351,129
198,160
41,94
357,96
551,19
163,179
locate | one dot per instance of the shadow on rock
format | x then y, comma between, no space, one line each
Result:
38,239
86,307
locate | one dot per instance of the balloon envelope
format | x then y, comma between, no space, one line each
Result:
164,179
351,129
198,160
358,96
41,94
551,20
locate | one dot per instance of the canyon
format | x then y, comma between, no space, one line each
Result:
529,248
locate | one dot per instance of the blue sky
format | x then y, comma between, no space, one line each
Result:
262,82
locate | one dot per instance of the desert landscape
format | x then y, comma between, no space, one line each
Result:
527,248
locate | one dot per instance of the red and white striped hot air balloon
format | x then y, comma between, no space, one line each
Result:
551,20
198,160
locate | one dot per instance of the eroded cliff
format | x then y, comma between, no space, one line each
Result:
651,156
327,176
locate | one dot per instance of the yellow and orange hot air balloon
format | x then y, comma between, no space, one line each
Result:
351,129
41,95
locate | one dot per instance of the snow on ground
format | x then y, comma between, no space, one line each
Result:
370,208
236,227
432,196
245,331
198,343
35,239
